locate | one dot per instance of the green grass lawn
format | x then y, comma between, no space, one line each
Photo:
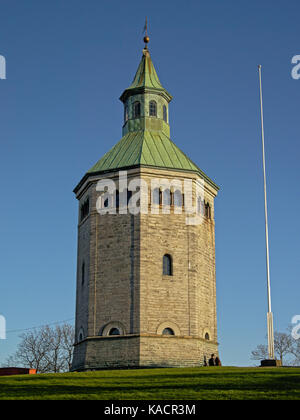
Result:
158,384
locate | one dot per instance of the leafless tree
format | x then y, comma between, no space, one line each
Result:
296,352
68,337
260,353
53,356
31,351
283,346
47,349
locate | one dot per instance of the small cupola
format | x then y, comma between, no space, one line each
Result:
146,101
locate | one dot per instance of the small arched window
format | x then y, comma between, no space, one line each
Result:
207,337
156,194
85,209
167,197
152,109
168,331
165,116
207,211
126,115
82,273
136,109
167,265
178,198
106,203
80,335
114,331
129,195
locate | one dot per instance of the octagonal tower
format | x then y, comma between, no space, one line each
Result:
146,284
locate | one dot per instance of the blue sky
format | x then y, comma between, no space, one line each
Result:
68,63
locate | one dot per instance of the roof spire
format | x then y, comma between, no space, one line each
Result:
146,37
146,76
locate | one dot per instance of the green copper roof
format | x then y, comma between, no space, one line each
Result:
146,77
144,148
146,141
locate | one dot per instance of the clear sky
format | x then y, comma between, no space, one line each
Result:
67,64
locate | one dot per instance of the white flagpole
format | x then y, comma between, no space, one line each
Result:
269,315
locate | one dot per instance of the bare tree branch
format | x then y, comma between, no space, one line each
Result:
47,349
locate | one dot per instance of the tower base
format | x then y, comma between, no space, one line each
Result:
141,351
270,363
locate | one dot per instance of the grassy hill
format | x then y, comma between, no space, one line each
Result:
158,384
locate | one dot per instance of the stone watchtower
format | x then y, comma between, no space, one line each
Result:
146,286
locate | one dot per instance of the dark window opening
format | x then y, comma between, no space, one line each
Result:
117,199
152,109
207,211
168,331
207,336
136,109
114,331
84,209
129,195
165,113
167,265
83,273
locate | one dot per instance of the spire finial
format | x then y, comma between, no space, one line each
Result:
146,37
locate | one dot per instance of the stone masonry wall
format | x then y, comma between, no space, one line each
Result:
126,286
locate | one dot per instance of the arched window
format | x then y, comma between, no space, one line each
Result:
136,109
82,273
207,337
165,116
167,197
168,331
126,116
178,198
112,328
152,109
156,194
129,195
106,202
84,209
167,265
80,335
114,331
207,211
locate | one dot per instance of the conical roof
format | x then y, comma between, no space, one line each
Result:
145,78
